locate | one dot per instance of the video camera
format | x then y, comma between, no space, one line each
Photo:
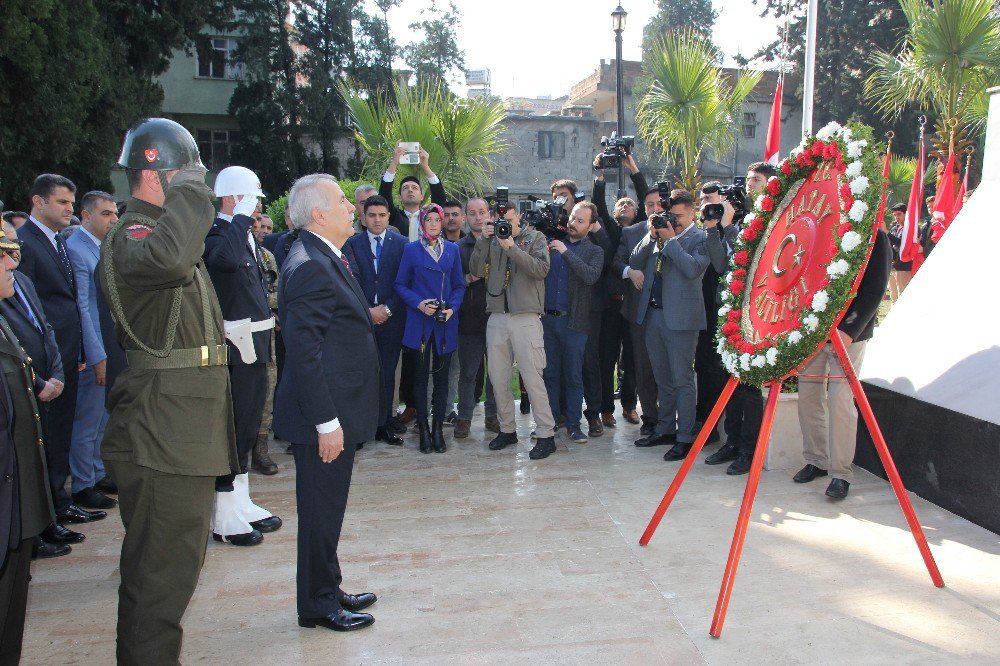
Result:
550,217
616,149
736,195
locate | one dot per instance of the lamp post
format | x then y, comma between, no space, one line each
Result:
618,23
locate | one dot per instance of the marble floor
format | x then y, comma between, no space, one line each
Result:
483,557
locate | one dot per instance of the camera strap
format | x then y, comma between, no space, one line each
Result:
506,281
659,255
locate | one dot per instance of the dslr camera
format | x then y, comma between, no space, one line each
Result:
439,316
502,229
616,149
735,194
663,220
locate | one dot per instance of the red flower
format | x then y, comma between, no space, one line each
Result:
845,191
843,229
733,315
736,286
757,225
730,327
741,258
786,168
735,340
816,148
829,151
739,273
773,185
746,348
801,160
748,234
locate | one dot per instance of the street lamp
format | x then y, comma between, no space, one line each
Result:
618,24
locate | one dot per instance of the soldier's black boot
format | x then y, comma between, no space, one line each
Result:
260,461
425,436
437,436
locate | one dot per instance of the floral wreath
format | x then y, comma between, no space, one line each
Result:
773,360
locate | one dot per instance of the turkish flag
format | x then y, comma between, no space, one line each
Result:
910,249
944,201
772,148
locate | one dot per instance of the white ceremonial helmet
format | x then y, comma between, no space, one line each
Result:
236,181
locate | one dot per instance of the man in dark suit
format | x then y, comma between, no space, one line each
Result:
45,260
328,397
377,252
234,265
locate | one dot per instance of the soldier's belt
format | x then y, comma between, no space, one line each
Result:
179,358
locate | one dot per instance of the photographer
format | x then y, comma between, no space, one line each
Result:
674,257
514,265
576,265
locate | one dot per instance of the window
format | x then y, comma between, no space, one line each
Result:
749,125
217,59
551,145
216,147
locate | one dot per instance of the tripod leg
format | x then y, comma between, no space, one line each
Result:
744,518
689,460
890,467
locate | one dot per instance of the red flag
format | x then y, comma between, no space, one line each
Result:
944,201
910,248
772,148
885,186
961,194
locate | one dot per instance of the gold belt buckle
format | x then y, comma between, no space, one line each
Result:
204,355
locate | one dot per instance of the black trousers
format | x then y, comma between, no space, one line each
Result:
321,491
712,377
645,383
57,425
14,577
593,392
430,367
407,365
249,387
615,349
743,417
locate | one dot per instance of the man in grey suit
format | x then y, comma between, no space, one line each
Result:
673,257
98,214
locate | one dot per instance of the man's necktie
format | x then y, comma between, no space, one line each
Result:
378,252
347,264
21,302
67,267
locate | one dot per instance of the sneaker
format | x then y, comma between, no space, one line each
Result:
543,448
577,437
502,440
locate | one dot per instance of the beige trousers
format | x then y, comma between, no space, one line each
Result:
897,283
827,415
511,338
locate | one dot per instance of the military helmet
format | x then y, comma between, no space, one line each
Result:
158,144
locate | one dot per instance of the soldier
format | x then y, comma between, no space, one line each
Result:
260,461
170,433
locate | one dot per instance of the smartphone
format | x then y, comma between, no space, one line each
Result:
412,155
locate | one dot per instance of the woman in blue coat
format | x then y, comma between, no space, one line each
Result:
430,273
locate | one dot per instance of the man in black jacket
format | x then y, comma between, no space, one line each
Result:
411,195
827,414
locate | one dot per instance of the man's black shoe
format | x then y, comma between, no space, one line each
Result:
838,489
808,473
58,534
678,452
396,426
388,436
91,498
358,602
42,549
74,514
725,454
596,428
740,466
269,524
450,419
655,440
251,538
502,440
339,620
544,447
648,428
106,485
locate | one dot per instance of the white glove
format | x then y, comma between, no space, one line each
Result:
245,206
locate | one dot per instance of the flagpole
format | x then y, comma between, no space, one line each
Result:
809,82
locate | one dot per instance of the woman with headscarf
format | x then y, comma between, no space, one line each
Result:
431,283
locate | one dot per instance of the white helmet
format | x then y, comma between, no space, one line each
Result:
235,181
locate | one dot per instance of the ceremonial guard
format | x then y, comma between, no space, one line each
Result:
170,433
234,264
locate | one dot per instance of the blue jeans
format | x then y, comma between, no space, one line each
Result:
471,356
564,350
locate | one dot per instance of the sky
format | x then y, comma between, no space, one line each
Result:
542,47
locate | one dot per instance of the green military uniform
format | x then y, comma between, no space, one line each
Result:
270,264
170,432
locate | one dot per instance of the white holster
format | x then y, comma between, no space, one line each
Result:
240,333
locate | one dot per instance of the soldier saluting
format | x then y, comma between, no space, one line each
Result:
171,427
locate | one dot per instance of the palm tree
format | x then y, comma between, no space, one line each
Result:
900,178
690,106
949,56
463,137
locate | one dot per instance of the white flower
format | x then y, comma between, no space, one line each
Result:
794,337
837,268
846,133
729,277
851,239
798,149
858,210
859,185
820,299
745,361
730,363
854,148
827,132
719,348
854,169
725,295
811,322
758,201
771,355
758,361
724,310
748,220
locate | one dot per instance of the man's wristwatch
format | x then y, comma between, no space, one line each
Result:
388,312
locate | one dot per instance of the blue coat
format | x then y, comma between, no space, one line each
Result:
420,278
84,254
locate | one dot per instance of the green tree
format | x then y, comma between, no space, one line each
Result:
374,50
673,15
436,57
690,106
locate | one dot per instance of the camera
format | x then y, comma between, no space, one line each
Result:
662,220
616,149
549,217
663,188
439,315
735,194
412,155
502,229
270,279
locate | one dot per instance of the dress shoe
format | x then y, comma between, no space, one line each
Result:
388,436
92,498
596,428
74,514
656,440
339,620
838,489
492,423
425,436
265,525
42,549
251,538
740,466
678,452
525,405
359,446
631,416
725,454
106,485
808,473
462,427
502,440
648,428
544,447
58,534
437,436
357,602
451,417
608,419
408,415
394,425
